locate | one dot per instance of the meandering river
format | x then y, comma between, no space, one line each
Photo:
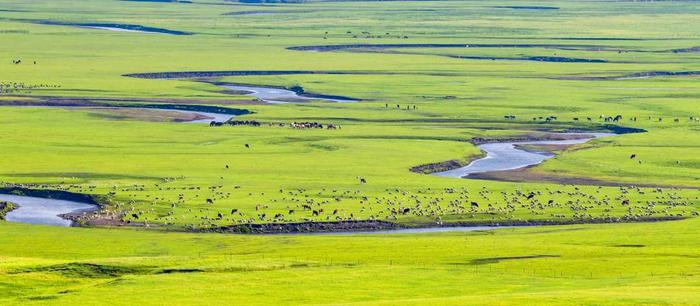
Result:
501,156
280,95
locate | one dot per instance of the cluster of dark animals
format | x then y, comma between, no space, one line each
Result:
615,119
548,118
16,87
295,125
563,204
19,61
235,122
611,119
313,125
398,106
366,34
566,203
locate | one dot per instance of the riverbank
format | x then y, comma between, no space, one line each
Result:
509,155
280,94
45,206
385,227
6,207
148,112
454,164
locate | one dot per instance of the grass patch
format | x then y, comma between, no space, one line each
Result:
85,270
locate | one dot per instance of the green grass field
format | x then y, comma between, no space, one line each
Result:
584,59
582,264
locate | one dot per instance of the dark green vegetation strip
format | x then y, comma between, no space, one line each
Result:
52,194
160,1
636,75
490,260
519,7
6,207
552,59
325,48
124,103
131,27
224,73
265,12
194,108
307,227
86,270
83,175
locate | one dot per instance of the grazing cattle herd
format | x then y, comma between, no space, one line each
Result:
201,208
295,125
7,88
19,61
318,125
604,118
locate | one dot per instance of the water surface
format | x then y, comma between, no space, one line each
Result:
501,156
209,116
34,210
280,95
117,29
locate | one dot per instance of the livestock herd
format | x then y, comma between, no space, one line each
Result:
604,118
195,207
295,125
318,125
22,88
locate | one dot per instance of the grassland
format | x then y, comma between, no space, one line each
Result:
621,264
159,174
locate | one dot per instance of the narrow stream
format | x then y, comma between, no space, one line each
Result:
114,29
209,116
280,96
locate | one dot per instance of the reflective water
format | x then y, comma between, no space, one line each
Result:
42,211
501,156
279,95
